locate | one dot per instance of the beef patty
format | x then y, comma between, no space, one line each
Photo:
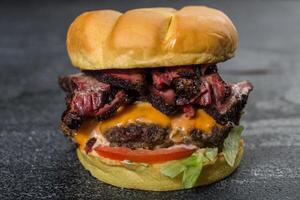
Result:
138,135
150,136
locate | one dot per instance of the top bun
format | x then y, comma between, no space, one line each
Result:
150,37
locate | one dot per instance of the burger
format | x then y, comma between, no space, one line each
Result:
149,109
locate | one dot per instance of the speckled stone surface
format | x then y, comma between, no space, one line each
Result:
37,162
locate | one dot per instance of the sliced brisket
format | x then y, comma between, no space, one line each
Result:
200,87
89,98
111,107
221,90
163,100
189,111
187,89
98,94
82,82
162,78
230,110
133,79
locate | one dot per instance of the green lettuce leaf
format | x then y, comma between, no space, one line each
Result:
193,160
172,170
231,144
192,173
190,167
211,153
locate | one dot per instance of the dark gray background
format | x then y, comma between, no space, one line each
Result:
37,162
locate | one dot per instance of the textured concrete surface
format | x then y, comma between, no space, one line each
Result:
37,162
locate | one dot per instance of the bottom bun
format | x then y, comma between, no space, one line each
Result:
150,178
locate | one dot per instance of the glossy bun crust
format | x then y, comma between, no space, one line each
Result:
150,178
150,37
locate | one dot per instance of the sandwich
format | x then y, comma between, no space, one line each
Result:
148,109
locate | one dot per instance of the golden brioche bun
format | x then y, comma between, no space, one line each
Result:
150,178
150,37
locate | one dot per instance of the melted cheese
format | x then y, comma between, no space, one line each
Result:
201,121
144,112
182,125
84,132
138,112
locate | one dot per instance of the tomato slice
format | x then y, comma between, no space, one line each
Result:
144,155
